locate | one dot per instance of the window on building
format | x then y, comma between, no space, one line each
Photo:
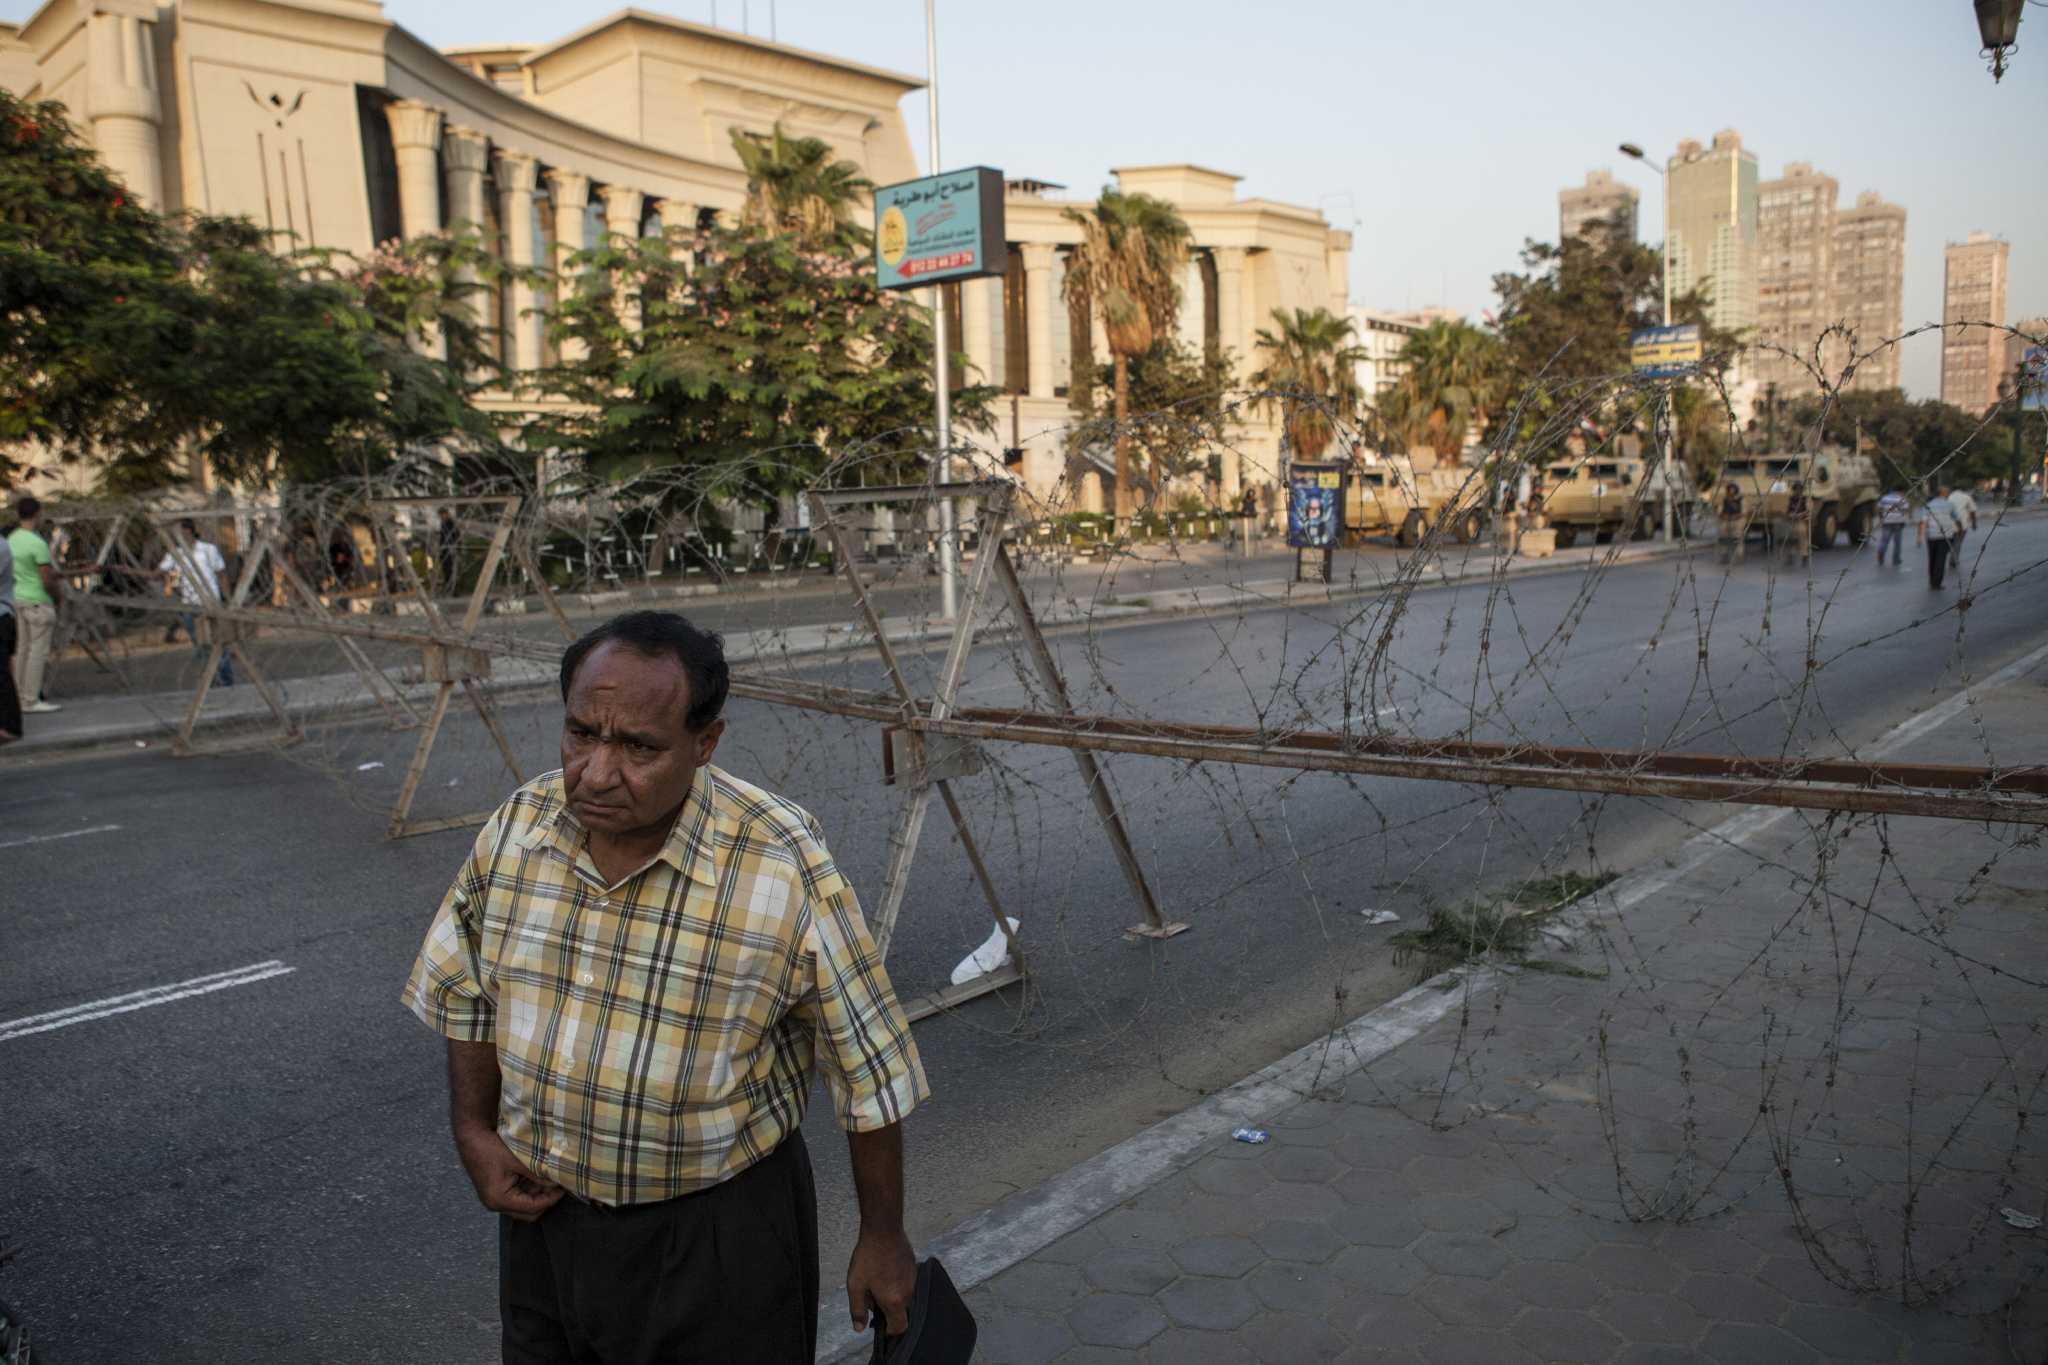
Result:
380,166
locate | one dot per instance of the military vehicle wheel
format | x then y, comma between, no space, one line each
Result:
1826,527
1567,536
1410,534
1471,526
1859,524
1646,525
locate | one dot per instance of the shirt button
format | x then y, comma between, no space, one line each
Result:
587,978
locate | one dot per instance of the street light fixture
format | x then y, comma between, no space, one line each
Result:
1998,24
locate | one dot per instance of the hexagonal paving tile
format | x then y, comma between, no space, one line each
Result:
1292,1339
1843,1336
1186,1346
1039,1286
1459,1213
1010,1338
1294,1239
1651,1317
1210,1304
1733,1298
1126,1227
1743,1343
1290,1287
1475,1346
1459,1253
1123,1320
1131,1270
1225,1256
1383,1227
1553,1284
1470,1303
1307,1165
1537,1238
1230,1177
1388,1321
1379,1270
1555,1334
1627,1267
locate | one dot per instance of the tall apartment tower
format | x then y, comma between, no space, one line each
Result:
1795,244
1870,285
1972,358
1593,204
1710,213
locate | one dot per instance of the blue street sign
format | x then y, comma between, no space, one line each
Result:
943,227
1665,352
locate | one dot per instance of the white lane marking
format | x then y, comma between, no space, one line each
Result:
141,1000
53,838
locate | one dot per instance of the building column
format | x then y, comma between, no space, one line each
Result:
1230,336
622,206
977,326
1038,316
465,153
122,102
517,175
677,216
569,193
416,139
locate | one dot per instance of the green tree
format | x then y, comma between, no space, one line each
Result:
795,186
1909,440
1126,270
1311,371
1454,375
1180,414
755,357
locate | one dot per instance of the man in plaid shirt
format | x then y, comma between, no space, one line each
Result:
638,970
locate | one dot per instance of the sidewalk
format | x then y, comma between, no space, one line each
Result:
1641,1158
144,720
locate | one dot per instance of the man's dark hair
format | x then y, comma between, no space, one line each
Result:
191,526
26,509
664,633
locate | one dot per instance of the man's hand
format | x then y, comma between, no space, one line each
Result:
882,1276
503,1184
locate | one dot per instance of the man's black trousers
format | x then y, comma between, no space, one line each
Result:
1937,560
727,1274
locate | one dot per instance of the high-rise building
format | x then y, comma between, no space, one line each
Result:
1795,239
1972,358
1710,212
1593,205
1870,286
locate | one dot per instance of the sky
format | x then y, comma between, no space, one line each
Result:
1440,134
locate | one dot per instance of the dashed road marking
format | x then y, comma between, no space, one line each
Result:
53,838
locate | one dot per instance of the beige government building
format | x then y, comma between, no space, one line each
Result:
323,120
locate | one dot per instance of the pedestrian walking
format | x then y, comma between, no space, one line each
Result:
1731,528
10,700
200,578
1893,510
1795,526
448,548
638,970
37,591
1966,521
1937,531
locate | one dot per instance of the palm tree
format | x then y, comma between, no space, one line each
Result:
1127,269
1453,378
796,187
1312,369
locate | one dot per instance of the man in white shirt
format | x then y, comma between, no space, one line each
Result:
205,557
1938,531
1966,522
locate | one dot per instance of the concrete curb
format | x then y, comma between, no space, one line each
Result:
1025,1223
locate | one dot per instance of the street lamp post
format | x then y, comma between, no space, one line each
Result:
2019,417
1630,149
949,545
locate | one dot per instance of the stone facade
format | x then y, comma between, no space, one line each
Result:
1593,204
1973,290
332,126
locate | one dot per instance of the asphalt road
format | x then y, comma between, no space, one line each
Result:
260,1172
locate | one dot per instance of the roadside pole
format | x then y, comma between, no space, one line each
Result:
942,360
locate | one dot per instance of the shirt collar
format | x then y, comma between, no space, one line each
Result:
688,848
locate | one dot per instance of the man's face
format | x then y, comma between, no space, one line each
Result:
628,758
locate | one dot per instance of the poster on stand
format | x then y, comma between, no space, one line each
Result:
1315,505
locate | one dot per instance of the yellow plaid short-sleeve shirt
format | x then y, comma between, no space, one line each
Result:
659,1036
